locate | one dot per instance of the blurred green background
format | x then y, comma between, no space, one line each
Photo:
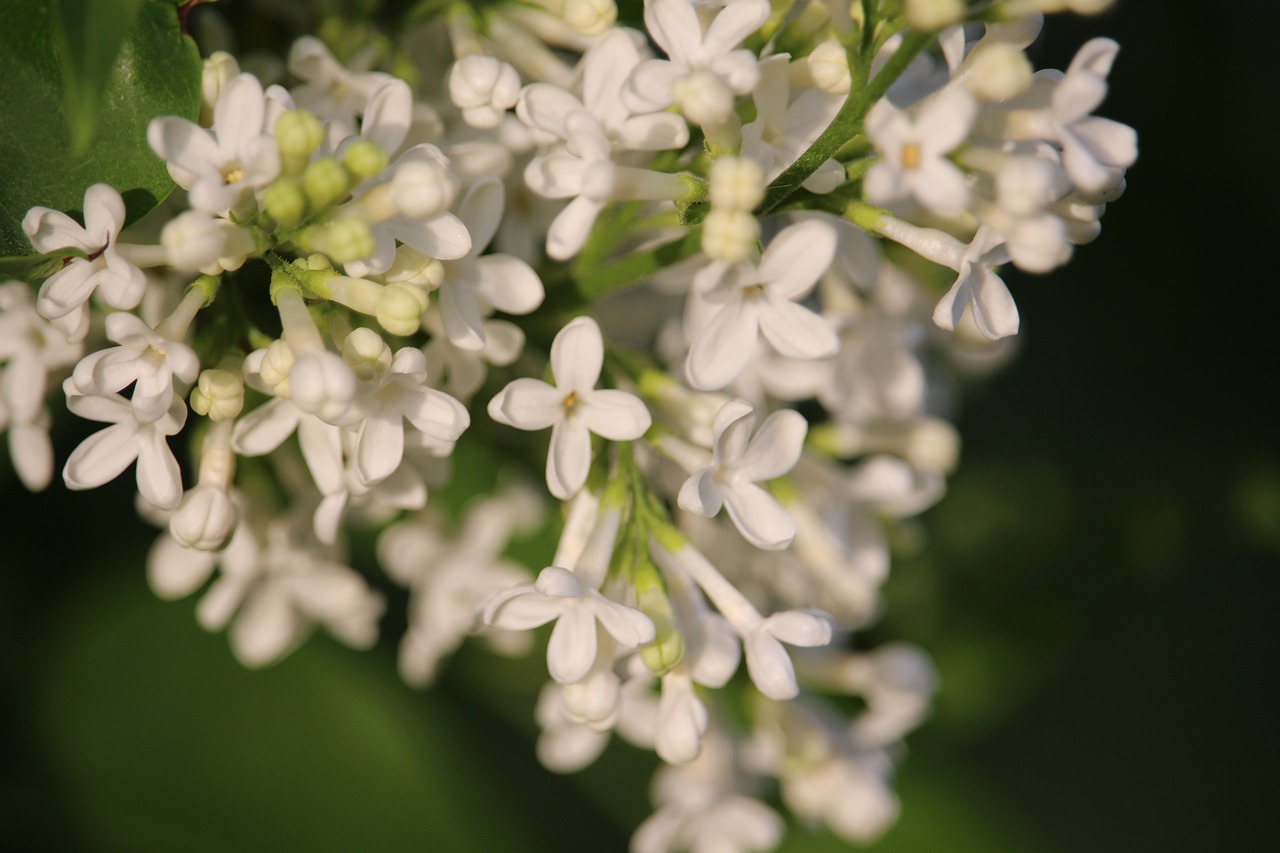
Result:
1097,589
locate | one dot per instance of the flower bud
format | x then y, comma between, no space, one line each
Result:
704,97
484,88
326,181
999,72
729,235
366,353
400,308
344,240
590,17
218,394
299,134
423,189
219,68
285,201
829,67
197,241
322,384
1025,185
931,15
736,183
204,519
364,159
593,701
277,361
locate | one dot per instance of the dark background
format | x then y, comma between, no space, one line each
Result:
1097,589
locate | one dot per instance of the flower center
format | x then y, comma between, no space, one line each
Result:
753,291
910,155
570,402
232,173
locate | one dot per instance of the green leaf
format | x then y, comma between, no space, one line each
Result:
43,91
36,268
89,35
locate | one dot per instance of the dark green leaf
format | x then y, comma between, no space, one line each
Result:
89,36
156,72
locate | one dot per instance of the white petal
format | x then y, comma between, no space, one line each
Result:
183,143
994,309
101,457
655,132
797,257
174,571
795,331
775,448
568,459
682,720
674,25
265,630
380,446
733,24
700,494
808,628
238,115
544,107
939,185
648,89
572,648
945,121
443,237
436,414
770,666
571,226
481,211
528,404
460,313
723,348
265,428
104,213
627,625
159,478
615,415
509,284
32,455
577,354
758,517
520,608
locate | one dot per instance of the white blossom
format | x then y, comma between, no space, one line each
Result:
574,408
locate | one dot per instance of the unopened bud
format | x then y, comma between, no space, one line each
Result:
999,72
729,235
299,134
322,384
366,353
736,183
204,519
412,267
343,240
400,308
829,67
931,15
364,159
704,97
285,201
590,17
277,361
484,88
218,394
423,189
326,181
219,68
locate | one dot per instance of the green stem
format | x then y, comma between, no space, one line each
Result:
594,282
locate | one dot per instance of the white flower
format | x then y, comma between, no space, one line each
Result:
784,129
703,71
595,131
739,461
1095,151
980,290
913,158
759,299
105,269
573,407
104,455
558,595
222,167
145,359
330,90
474,284
484,88
389,399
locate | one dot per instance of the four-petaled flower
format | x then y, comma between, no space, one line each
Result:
559,595
573,407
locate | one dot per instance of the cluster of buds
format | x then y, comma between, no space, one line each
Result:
708,228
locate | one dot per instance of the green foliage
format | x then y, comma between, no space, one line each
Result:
79,82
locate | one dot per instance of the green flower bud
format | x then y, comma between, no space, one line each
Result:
365,159
326,181
285,201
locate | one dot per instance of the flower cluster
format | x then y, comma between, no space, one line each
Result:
704,256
